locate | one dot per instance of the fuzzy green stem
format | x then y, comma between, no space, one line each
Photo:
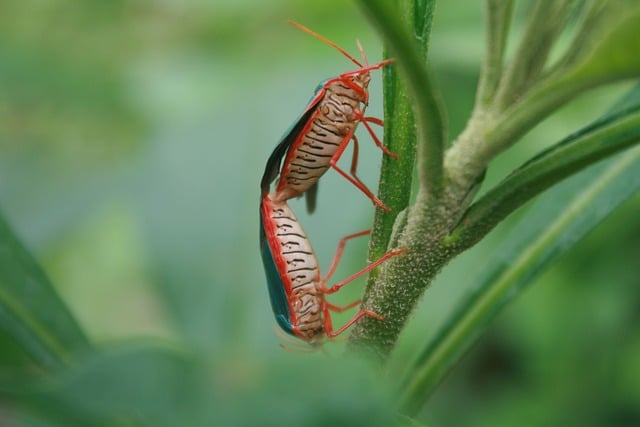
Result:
403,116
472,317
399,283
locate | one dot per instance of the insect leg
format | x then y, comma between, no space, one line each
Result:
367,68
354,319
337,286
336,258
354,169
340,309
359,184
365,121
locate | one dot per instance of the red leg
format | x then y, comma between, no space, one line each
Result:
354,169
327,324
336,258
365,270
340,309
354,319
367,68
374,120
365,121
334,164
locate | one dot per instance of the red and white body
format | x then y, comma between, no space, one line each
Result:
322,133
296,286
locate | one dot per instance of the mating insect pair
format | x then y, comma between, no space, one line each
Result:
314,143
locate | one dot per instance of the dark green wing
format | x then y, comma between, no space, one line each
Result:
272,168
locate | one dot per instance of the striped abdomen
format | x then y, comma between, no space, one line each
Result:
332,124
296,267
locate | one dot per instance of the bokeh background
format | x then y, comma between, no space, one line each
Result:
133,135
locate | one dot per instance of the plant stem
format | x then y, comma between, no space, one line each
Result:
551,166
411,51
547,21
396,175
497,21
472,317
410,47
446,188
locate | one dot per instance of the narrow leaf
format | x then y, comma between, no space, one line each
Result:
153,384
557,222
606,46
546,21
497,22
604,52
604,138
31,312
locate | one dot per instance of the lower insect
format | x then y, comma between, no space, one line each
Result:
296,287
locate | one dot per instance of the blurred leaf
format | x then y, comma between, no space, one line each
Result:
603,52
31,311
129,385
153,385
498,16
561,218
606,46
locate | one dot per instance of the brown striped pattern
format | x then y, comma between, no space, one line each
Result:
302,271
334,120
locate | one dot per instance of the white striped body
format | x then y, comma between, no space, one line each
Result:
332,125
297,267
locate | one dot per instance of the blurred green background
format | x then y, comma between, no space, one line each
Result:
132,139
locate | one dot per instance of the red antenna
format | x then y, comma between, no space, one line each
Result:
330,43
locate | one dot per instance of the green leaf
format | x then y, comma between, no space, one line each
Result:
125,385
556,223
546,21
614,133
497,21
156,385
604,51
31,312
606,47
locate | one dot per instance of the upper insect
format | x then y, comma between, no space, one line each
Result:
320,136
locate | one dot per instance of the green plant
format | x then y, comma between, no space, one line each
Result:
52,374
513,96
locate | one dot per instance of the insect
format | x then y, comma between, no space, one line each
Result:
317,140
296,288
